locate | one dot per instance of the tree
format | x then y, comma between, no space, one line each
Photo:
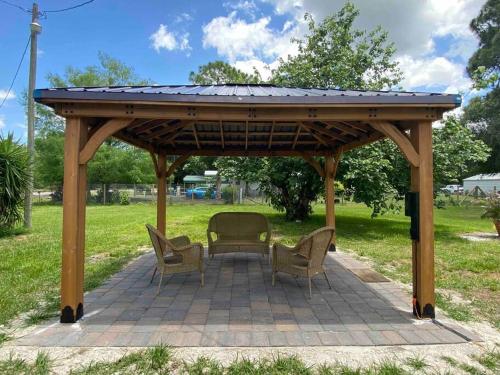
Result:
335,54
220,72
483,112
13,180
115,161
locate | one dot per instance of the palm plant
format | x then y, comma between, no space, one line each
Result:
492,211
13,180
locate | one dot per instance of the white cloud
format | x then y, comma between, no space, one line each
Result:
411,24
183,17
237,39
415,26
244,6
3,94
164,39
434,72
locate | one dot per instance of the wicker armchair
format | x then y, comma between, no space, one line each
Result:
176,255
306,258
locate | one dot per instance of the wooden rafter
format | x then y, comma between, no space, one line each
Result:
319,138
400,138
221,127
297,135
125,137
155,163
196,136
246,135
270,142
344,128
177,131
325,131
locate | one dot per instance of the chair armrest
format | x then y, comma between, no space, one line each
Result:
209,236
191,254
180,241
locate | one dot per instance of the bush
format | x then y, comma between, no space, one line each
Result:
13,180
124,198
228,194
439,203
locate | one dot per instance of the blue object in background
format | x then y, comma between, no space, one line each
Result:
199,193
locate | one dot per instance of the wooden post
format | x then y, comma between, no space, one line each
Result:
73,241
423,249
330,196
161,202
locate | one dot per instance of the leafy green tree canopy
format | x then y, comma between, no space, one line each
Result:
335,54
483,112
220,72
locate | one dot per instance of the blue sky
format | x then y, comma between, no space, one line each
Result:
165,40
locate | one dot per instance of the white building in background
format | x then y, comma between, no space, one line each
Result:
488,183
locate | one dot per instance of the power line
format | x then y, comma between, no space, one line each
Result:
17,71
69,8
15,6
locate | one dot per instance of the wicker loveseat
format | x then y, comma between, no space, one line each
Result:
238,232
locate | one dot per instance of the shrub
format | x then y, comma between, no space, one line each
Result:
124,198
228,194
13,180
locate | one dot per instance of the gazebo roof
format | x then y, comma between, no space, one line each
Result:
244,94
246,120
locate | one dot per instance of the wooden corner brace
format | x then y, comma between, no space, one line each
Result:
399,138
96,140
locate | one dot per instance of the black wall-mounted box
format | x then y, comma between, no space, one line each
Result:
411,210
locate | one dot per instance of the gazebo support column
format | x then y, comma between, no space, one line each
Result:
161,203
423,249
331,164
73,241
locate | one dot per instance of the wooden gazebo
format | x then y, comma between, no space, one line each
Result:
243,120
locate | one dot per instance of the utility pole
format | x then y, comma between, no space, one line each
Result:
35,30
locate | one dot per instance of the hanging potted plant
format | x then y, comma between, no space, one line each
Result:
492,211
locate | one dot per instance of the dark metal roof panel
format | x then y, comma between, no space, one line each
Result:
251,94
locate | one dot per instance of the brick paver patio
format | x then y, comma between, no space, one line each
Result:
239,307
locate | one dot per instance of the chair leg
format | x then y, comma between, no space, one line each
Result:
202,279
327,279
310,287
152,277
159,284
274,278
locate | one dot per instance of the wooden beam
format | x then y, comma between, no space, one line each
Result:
297,134
314,163
228,151
221,127
422,182
173,132
240,113
398,137
337,155
325,131
246,135
155,163
344,128
161,198
271,135
104,132
196,137
73,236
369,139
316,136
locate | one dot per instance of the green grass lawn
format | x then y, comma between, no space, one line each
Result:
30,263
